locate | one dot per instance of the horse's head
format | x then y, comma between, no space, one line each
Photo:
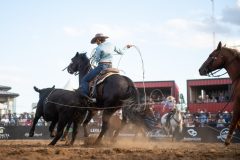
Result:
79,64
216,60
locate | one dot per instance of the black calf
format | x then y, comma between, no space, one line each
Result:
59,106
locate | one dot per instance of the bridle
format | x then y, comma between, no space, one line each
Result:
214,58
212,74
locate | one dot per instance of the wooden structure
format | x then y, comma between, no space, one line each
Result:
209,95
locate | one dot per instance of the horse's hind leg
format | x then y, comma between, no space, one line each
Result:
105,123
235,119
116,133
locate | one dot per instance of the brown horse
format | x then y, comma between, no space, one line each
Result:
229,59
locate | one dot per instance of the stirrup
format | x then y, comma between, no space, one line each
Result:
89,99
92,100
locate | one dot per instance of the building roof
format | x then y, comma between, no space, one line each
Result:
205,82
6,93
154,84
5,88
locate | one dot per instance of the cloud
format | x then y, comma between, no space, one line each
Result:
73,31
231,14
178,32
113,31
13,75
183,33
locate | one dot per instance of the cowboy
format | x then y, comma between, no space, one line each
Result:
170,103
102,56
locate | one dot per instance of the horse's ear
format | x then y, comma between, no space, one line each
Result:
225,45
77,53
219,45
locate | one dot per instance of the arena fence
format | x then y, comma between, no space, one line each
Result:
195,134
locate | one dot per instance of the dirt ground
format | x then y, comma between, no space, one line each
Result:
124,149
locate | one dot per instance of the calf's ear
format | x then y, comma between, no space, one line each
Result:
36,89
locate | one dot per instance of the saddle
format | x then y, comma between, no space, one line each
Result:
100,79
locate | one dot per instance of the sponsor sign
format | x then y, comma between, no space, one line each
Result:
22,132
223,134
3,133
197,134
191,134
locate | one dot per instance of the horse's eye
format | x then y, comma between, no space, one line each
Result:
214,58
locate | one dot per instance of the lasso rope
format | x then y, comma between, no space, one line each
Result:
80,107
144,89
143,71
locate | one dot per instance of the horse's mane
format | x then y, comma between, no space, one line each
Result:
235,52
83,56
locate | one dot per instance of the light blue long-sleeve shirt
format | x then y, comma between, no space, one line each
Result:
104,52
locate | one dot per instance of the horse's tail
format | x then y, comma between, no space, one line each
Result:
132,92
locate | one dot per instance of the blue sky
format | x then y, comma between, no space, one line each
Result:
38,39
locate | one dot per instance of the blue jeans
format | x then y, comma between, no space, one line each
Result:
90,76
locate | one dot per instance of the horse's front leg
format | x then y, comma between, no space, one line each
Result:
233,125
174,132
90,114
66,131
105,123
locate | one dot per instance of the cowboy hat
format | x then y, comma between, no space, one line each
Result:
98,35
170,98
